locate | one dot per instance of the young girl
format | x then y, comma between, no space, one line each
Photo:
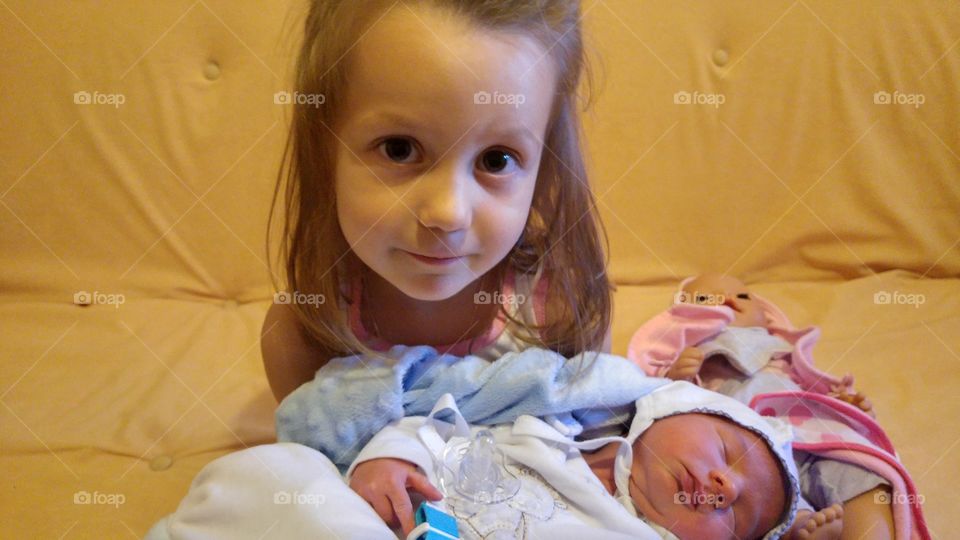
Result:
438,196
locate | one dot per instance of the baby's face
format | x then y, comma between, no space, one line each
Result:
704,477
434,179
718,290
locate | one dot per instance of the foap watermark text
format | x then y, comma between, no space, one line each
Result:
899,498
98,98
295,297
498,98
883,97
108,499
886,298
296,98
85,298
295,497
483,297
699,98
698,498
697,297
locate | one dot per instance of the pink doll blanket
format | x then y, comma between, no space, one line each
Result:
833,429
656,345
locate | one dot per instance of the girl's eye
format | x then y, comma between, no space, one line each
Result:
701,299
743,296
496,161
398,149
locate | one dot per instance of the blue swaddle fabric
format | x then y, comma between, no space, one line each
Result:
351,398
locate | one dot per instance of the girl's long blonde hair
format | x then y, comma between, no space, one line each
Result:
563,238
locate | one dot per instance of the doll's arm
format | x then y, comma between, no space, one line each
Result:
687,366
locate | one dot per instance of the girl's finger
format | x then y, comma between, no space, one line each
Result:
421,485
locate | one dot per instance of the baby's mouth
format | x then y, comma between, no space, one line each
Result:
688,486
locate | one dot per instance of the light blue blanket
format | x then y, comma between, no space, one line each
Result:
350,399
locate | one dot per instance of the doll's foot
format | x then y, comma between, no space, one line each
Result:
858,400
823,525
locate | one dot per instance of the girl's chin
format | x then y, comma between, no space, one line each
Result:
434,288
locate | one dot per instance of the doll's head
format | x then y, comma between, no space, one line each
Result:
721,290
703,476
445,151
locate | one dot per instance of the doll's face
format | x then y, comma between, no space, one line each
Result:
719,290
702,476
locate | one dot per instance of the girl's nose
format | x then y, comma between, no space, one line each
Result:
723,488
443,201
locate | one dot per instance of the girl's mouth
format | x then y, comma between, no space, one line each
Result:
435,261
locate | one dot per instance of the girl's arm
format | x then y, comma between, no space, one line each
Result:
289,357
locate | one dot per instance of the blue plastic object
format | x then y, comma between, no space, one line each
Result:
442,525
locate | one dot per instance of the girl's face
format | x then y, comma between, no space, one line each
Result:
439,145
703,477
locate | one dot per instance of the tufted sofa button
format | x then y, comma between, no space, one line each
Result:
721,57
161,463
212,70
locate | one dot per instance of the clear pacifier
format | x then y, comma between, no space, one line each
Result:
476,473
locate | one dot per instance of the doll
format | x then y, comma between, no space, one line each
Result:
715,361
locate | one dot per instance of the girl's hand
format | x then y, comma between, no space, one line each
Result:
383,483
687,365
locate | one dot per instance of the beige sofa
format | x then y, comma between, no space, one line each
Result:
810,147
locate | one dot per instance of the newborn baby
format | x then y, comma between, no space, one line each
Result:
694,464
701,476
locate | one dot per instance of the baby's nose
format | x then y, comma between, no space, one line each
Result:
723,488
